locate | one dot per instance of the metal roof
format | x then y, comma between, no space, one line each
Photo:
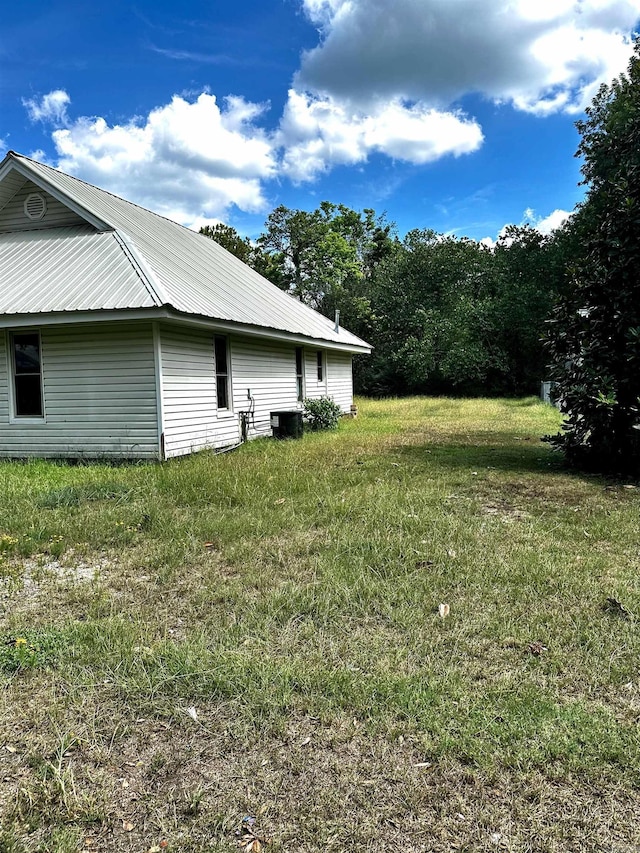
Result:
62,269
139,259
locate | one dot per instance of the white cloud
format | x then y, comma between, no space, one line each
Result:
544,225
541,56
188,160
51,107
552,221
384,79
320,132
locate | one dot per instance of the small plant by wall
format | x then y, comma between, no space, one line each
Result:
322,413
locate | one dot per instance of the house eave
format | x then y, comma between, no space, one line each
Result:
62,318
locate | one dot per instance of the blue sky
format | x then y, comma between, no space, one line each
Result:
456,115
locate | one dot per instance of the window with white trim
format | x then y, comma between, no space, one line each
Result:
221,354
27,375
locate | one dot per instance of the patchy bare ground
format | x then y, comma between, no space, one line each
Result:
259,636
313,788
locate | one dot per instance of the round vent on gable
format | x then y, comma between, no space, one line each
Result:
35,206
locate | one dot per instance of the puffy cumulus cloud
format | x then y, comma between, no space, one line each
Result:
320,132
542,56
544,225
188,160
551,222
50,108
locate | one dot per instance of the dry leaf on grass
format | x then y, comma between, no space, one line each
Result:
251,843
536,648
443,610
248,840
279,501
127,825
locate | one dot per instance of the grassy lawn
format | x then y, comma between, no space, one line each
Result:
258,634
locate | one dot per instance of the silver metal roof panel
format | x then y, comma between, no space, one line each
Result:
67,269
180,268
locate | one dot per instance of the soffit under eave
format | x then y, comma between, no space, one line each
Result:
10,185
167,314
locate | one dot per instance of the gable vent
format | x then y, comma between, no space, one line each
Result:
35,206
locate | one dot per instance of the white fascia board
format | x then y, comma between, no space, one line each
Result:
61,318
24,170
73,318
265,332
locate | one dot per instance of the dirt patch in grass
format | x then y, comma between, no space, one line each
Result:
259,635
314,787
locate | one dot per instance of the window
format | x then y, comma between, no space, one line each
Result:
222,371
300,373
27,374
319,359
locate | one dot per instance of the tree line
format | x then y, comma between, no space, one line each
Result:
445,315
450,315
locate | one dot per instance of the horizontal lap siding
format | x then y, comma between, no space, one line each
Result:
191,420
313,389
340,379
13,217
99,394
268,370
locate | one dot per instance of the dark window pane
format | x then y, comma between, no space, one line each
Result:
27,353
220,344
300,388
222,391
319,358
298,361
28,396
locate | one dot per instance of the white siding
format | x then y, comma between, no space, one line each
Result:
263,380
100,391
191,418
340,379
99,395
337,380
312,387
13,217
268,371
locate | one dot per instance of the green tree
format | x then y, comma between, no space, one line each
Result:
595,337
529,278
431,298
327,257
270,265
228,238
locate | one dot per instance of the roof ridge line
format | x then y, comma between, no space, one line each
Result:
19,157
143,268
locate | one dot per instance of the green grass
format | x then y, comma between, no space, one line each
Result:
289,593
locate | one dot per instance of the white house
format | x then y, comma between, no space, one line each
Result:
125,335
